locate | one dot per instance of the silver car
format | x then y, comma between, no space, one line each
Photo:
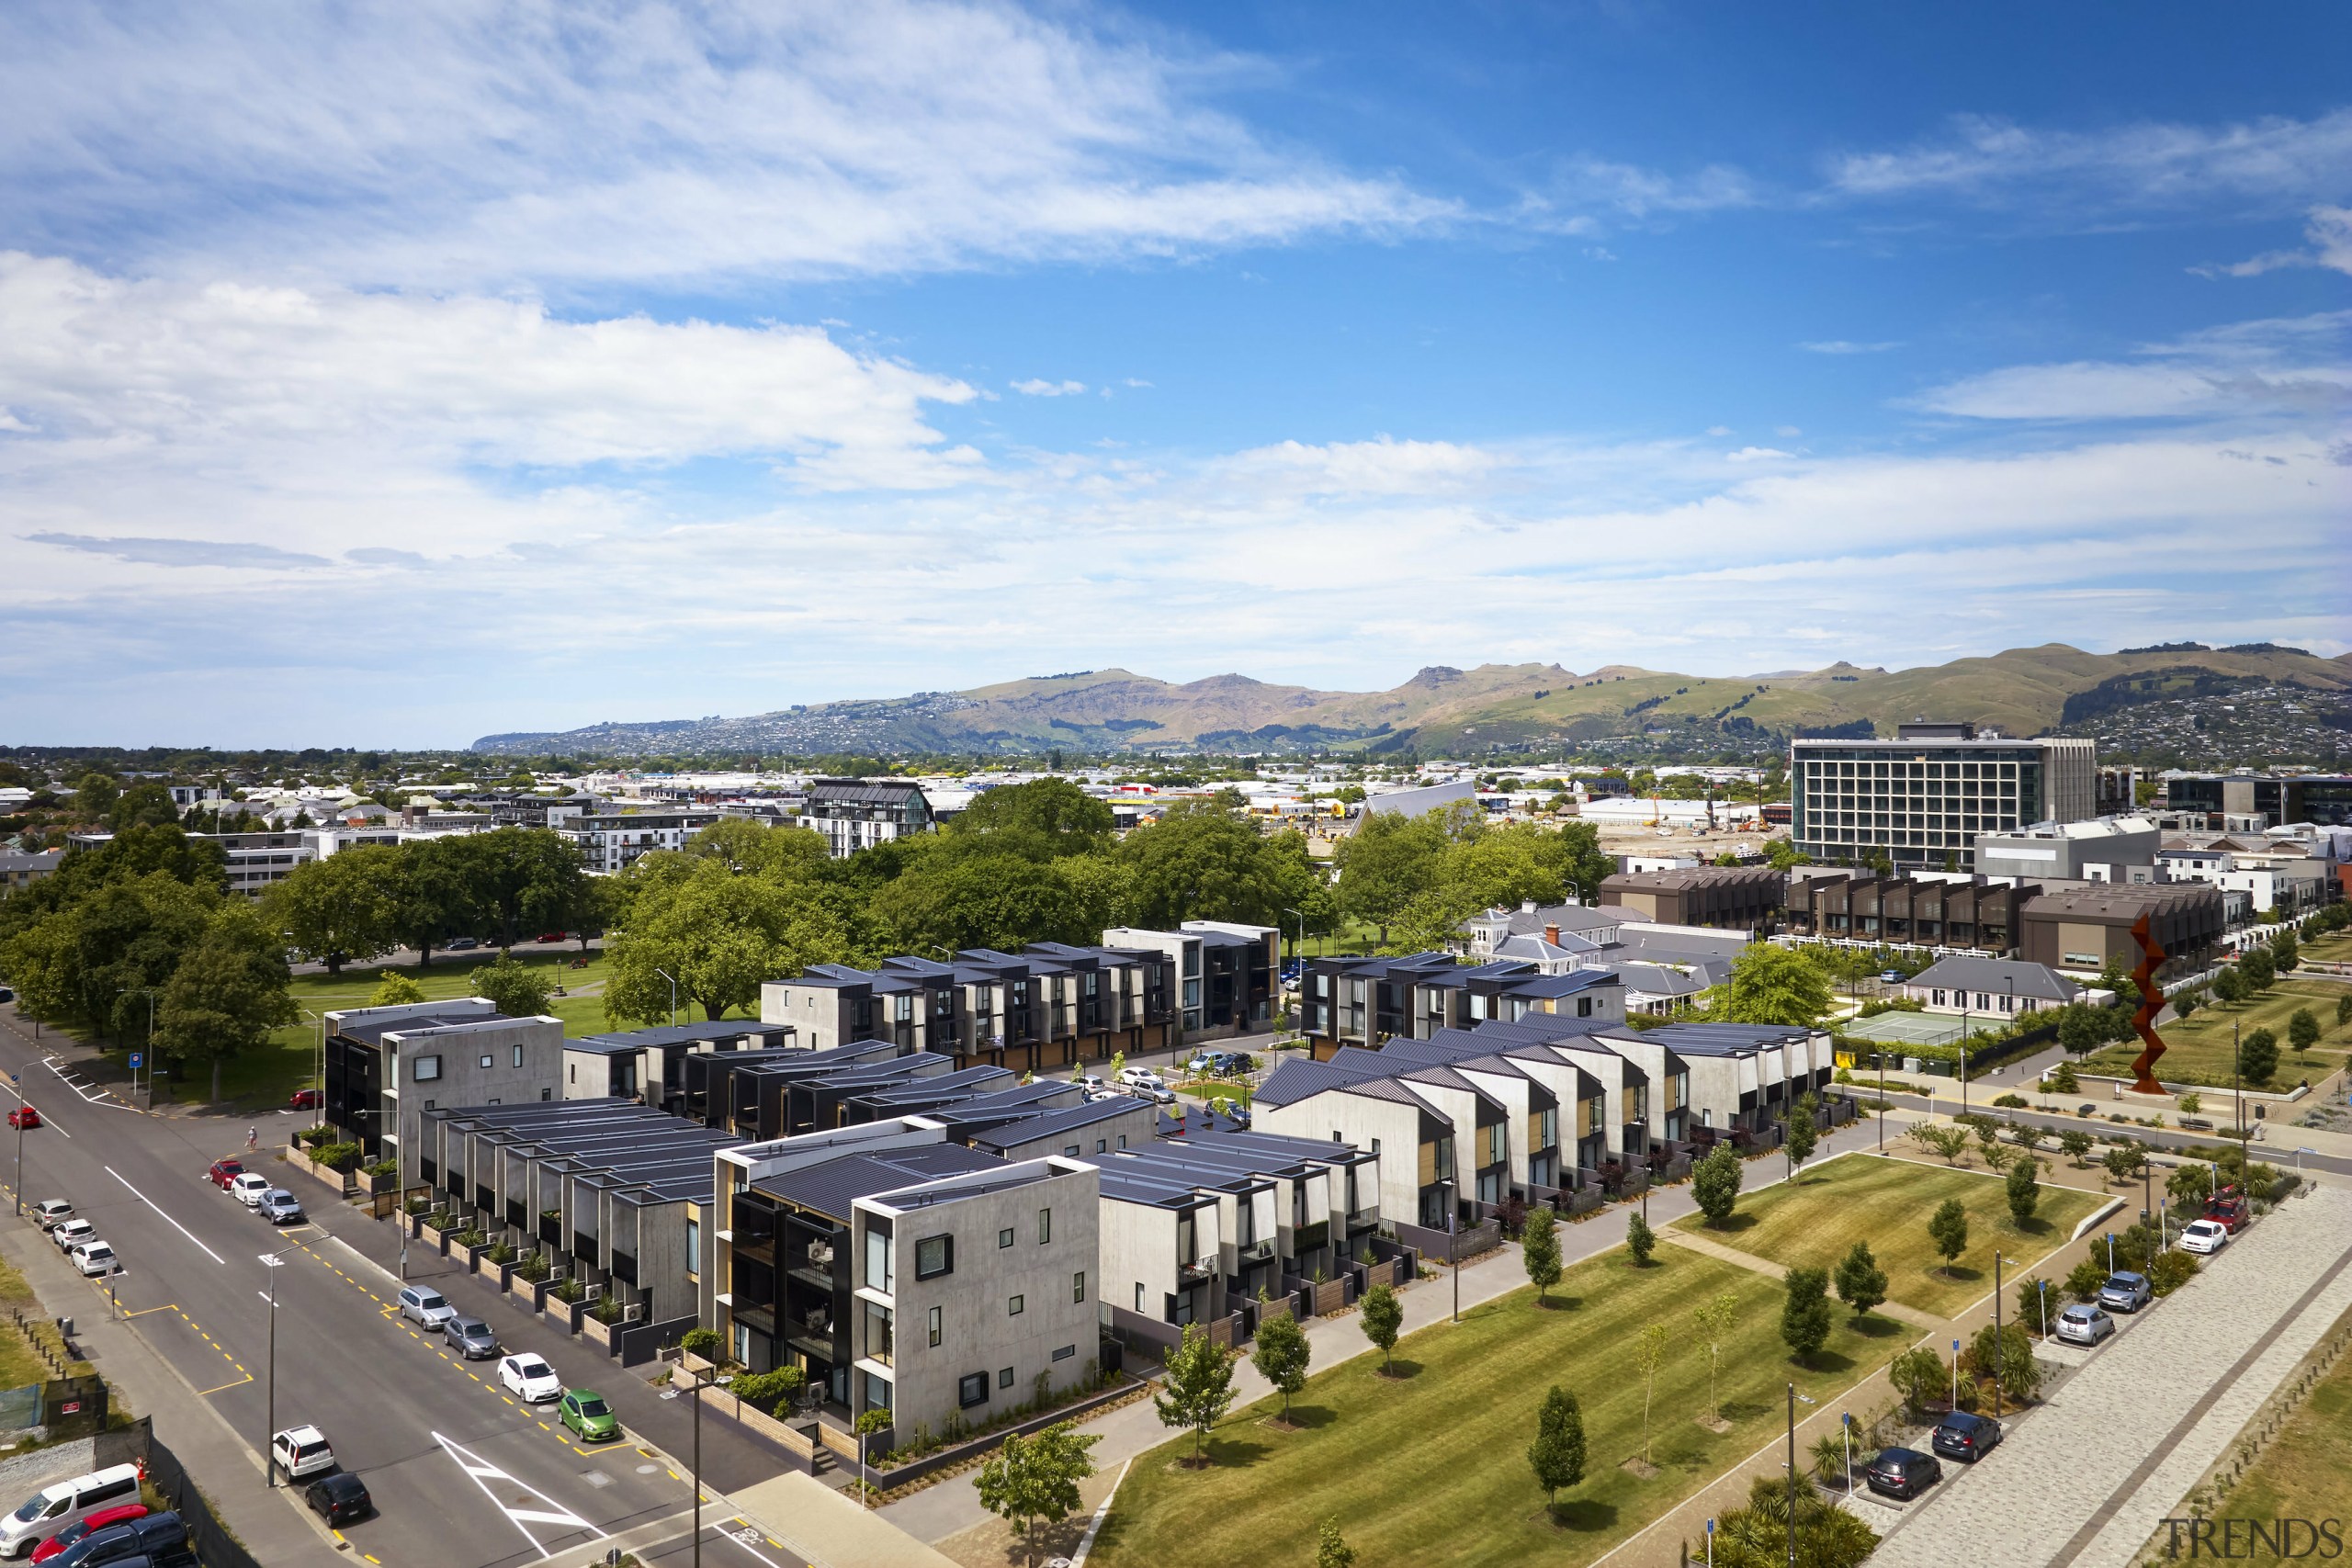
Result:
2084,1325
470,1338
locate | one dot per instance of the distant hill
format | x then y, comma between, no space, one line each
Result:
1492,707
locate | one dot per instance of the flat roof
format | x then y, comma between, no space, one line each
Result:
832,1187
1053,1124
677,1034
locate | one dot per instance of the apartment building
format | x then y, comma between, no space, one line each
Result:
2224,799
1923,911
1051,1005
1226,971
386,1066
2091,928
1922,798
858,814
612,835
1736,898
1364,1001
649,1064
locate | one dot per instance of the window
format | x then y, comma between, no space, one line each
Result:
485,1061
518,1055
1071,1152
1138,1295
573,1070
1065,1353
878,1260
547,1094
1078,1286
1584,1007
972,1389
427,1068
1102,1145
934,1255
1123,1140
1045,1226
1012,1308
931,1328
693,1247
1005,1237
1004,1377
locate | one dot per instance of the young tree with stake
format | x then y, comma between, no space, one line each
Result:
1714,1321
1539,1251
1382,1315
1558,1454
1282,1355
1200,1386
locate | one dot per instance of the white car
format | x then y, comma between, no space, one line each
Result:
1140,1077
51,1212
94,1259
2204,1235
72,1233
530,1379
248,1186
1090,1082
301,1452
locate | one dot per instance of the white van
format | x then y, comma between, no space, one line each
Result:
67,1502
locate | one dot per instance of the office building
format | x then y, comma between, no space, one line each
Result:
2227,799
1922,798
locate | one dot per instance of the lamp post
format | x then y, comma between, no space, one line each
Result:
1451,1267
1794,1397
2237,1084
271,1261
1997,1348
18,1079
697,1467
148,992
673,995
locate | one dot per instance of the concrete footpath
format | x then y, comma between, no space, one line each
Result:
226,1464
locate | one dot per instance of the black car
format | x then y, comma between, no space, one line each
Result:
1902,1473
1964,1437
339,1498
158,1538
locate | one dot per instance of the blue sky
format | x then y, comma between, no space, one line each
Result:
388,377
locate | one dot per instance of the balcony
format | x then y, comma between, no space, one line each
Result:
1256,1252
551,1228
1197,1273
1364,1219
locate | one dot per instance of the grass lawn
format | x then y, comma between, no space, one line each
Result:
2334,948
1216,1088
2306,1472
1430,1467
2196,1049
1886,1203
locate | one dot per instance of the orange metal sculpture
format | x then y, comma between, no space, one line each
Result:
2152,1002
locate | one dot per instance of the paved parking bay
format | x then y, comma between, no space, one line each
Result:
2084,1481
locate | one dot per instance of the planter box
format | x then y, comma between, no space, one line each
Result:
1281,1306
598,1333
474,1255
1330,1297
695,1364
438,1240
339,1180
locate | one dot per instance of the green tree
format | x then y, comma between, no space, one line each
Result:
1714,1183
2123,1162
983,897
754,849
1032,1480
2230,986
1558,1454
720,935
1804,1133
1331,1549
1205,860
523,879
2258,970
1281,1355
2080,1032
226,995
2343,1010
1919,1375
1389,860
1777,984
2302,1030
1382,1315
142,806
1539,1251
519,989
1948,1229
2035,1296
1805,1320
2076,1144
1756,1536
341,909
2006,1353
1713,1321
394,989
2024,1188
1060,816
2185,1004
2062,1079
1199,1386
432,897
2286,952
2084,1280
1947,1144
1862,1283
2258,1055
1640,1240
94,798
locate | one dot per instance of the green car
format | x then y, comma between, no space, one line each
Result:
585,1412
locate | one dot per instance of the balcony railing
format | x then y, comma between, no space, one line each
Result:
1364,1219
1195,1273
1256,1252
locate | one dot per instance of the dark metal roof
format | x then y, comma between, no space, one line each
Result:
829,1188
678,1034
1053,1124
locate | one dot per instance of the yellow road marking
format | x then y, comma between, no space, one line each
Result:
239,1383
143,1312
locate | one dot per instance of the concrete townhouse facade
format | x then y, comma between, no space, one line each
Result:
386,1066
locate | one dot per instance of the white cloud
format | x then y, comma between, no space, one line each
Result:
1719,430
1383,467
1840,345
636,140
1757,455
2330,233
1037,388
2138,165
2290,363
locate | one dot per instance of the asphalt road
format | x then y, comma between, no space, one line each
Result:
461,1475
2276,1147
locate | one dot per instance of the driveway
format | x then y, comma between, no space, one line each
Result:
2084,1481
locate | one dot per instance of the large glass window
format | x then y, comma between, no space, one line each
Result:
878,1262
934,1255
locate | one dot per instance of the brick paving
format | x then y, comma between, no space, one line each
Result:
2084,1481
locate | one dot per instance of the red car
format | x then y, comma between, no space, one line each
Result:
81,1527
24,1116
2228,1209
305,1099
551,936
225,1172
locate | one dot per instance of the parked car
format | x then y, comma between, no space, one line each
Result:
1964,1437
305,1099
96,1260
1095,1094
1902,1473
1090,1082
547,937
2204,1235
156,1541
2086,1108
1890,976
339,1498
1140,1077
51,1212
248,1186
24,1116
1153,1092
2083,1324
461,944
222,1172
583,1411
279,1207
2125,1292
97,1521
72,1233
6,995
426,1306
63,1504
470,1338
301,1452
2228,1208
530,1379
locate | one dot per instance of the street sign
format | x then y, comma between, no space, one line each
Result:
135,1061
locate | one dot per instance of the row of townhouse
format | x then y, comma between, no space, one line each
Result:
1535,1108
1364,1001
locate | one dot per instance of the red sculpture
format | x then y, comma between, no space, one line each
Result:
2152,1002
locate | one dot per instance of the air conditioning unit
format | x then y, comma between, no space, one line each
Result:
591,1292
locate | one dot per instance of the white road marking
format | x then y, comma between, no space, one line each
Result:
173,1224
94,1097
555,1513
744,1537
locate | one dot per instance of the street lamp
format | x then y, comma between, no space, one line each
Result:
1997,1346
271,1261
673,995
1446,1186
1794,1397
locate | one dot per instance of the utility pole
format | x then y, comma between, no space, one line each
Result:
1997,1261
1792,1475
673,995
1451,1266
697,1399
271,1261
18,1079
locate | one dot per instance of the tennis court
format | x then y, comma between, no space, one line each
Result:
1906,1029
